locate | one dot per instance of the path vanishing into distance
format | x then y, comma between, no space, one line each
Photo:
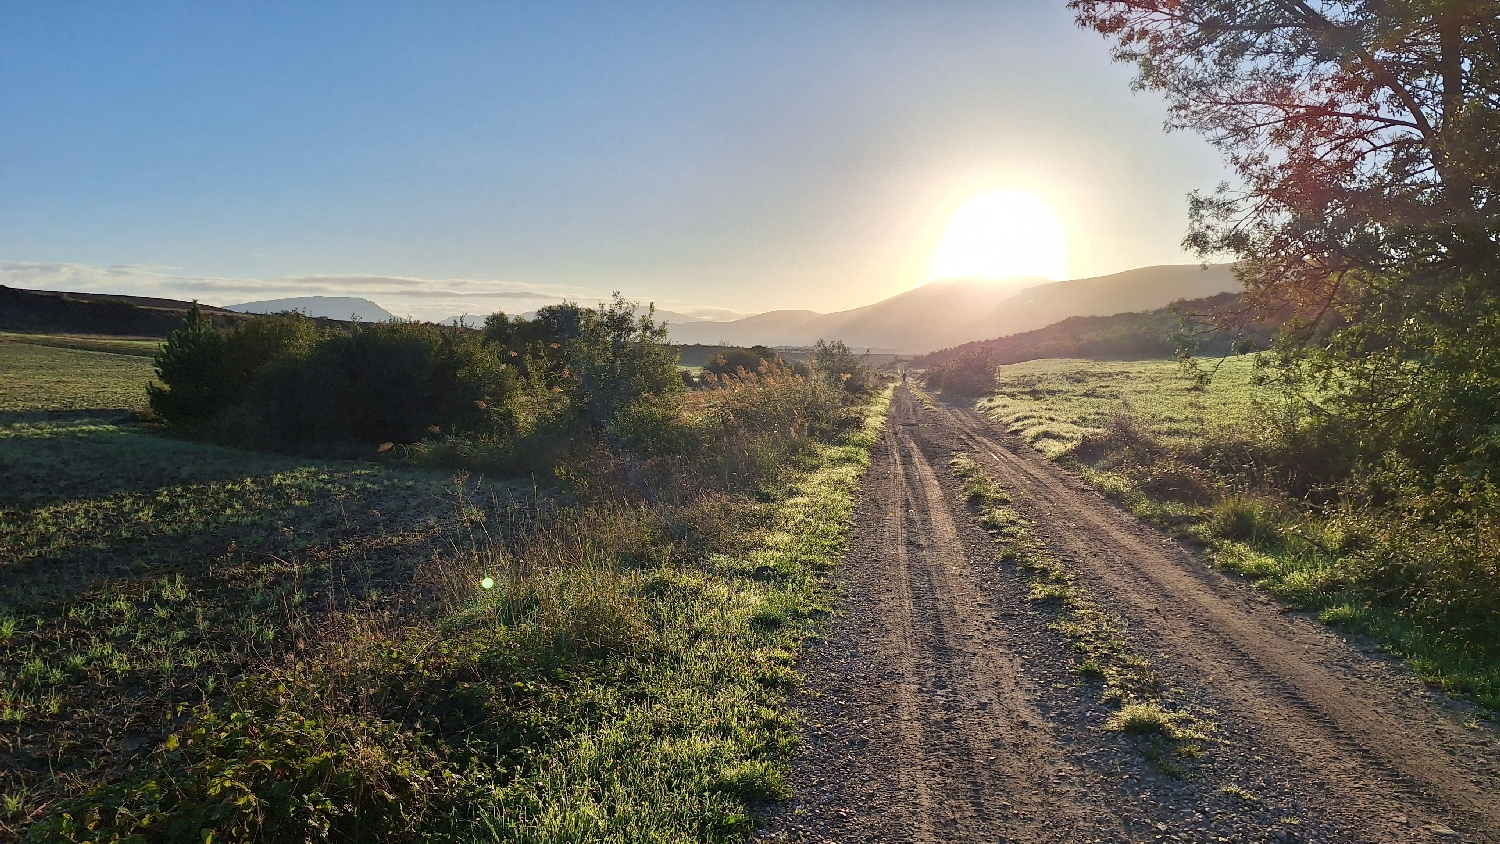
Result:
944,706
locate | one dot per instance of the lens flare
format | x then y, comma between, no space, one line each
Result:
488,583
1002,234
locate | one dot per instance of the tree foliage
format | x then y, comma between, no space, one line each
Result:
1366,140
193,371
835,363
602,373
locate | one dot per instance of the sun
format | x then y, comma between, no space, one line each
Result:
1002,234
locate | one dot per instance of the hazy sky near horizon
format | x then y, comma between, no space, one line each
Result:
460,157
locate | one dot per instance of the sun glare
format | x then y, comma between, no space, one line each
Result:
1002,234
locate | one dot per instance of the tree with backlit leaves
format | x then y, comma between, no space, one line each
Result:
1366,141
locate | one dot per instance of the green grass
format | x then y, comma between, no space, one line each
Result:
1052,404
1147,435
138,347
140,576
201,638
49,378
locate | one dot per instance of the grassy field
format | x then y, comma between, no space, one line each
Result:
1053,404
135,347
197,638
1182,455
37,377
141,575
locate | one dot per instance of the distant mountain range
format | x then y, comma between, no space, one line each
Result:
947,313
328,307
938,315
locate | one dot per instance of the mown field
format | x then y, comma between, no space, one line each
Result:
1201,460
54,373
1054,403
204,643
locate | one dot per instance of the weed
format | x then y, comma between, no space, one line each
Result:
1044,592
1241,793
1144,718
627,676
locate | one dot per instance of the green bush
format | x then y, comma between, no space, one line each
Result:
258,342
836,364
391,382
969,374
729,361
194,372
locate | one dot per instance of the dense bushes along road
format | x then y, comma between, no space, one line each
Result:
516,394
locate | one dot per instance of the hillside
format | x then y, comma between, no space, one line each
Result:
951,312
1140,335
50,311
1141,289
746,331
914,321
328,307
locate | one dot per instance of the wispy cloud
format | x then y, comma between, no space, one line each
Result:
427,298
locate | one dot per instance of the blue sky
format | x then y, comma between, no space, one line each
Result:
446,157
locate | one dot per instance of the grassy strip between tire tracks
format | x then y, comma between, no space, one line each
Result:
634,694
1143,709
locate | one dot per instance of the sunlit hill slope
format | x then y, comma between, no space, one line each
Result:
947,313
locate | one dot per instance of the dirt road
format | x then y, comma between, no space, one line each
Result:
944,706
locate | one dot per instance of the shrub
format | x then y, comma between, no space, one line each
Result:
746,426
258,342
969,374
387,382
840,367
731,360
620,359
1437,556
194,371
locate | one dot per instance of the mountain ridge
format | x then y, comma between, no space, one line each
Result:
940,314
328,307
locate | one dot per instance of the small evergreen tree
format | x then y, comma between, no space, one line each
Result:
193,370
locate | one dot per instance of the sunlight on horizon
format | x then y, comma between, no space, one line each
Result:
1002,234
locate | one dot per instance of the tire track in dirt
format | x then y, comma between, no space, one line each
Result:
943,706
946,742
1290,677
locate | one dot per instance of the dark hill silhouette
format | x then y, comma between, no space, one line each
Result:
55,312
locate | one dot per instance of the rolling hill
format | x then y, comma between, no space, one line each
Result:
914,321
1144,289
51,311
951,312
747,331
1136,335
